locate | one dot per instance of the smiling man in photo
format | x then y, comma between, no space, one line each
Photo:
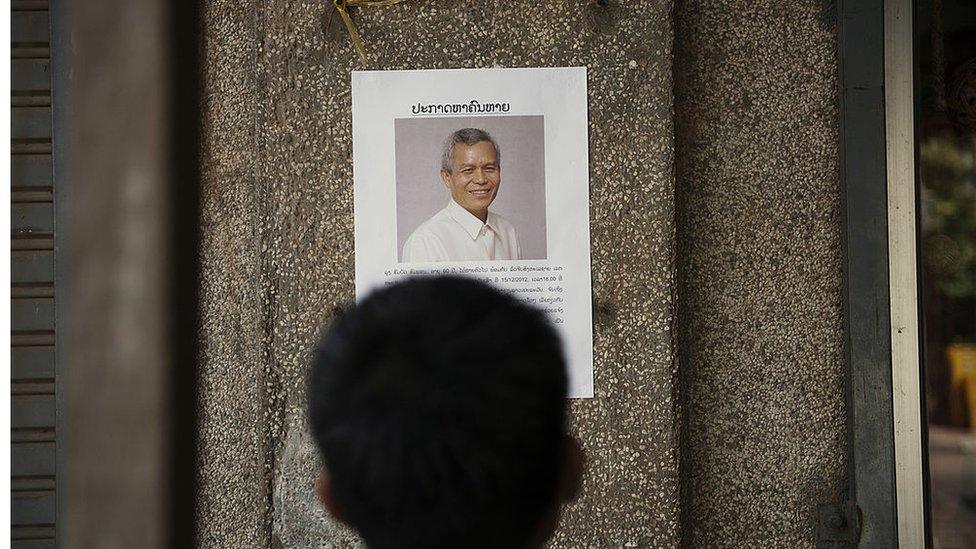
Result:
466,230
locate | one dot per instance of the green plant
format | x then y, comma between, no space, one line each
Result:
948,176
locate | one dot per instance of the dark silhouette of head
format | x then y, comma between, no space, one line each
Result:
438,406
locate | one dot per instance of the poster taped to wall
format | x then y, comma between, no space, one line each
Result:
481,173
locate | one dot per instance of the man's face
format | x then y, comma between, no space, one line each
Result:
476,176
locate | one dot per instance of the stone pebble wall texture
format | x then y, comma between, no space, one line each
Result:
278,245
759,264
233,473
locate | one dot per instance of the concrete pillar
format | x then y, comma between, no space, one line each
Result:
759,256
757,252
278,252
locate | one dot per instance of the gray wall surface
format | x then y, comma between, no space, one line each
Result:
233,392
278,246
759,263
756,419
521,198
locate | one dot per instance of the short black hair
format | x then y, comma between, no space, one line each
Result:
438,406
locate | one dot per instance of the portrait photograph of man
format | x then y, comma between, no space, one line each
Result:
470,189
480,173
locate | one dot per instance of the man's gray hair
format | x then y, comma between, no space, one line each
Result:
467,136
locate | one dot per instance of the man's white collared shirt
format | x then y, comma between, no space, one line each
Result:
455,234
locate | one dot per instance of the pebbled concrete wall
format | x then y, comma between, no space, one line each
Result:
759,248
757,252
278,245
233,417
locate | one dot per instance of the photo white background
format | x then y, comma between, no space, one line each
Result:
521,196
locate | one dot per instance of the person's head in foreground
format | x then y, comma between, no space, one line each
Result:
471,170
438,406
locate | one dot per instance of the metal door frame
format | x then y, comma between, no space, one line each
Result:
886,465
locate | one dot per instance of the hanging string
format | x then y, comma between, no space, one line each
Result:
342,7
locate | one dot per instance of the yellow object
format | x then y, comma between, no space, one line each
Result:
342,5
962,382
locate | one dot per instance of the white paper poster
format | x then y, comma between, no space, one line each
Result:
481,173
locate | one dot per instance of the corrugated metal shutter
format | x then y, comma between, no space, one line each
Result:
32,452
